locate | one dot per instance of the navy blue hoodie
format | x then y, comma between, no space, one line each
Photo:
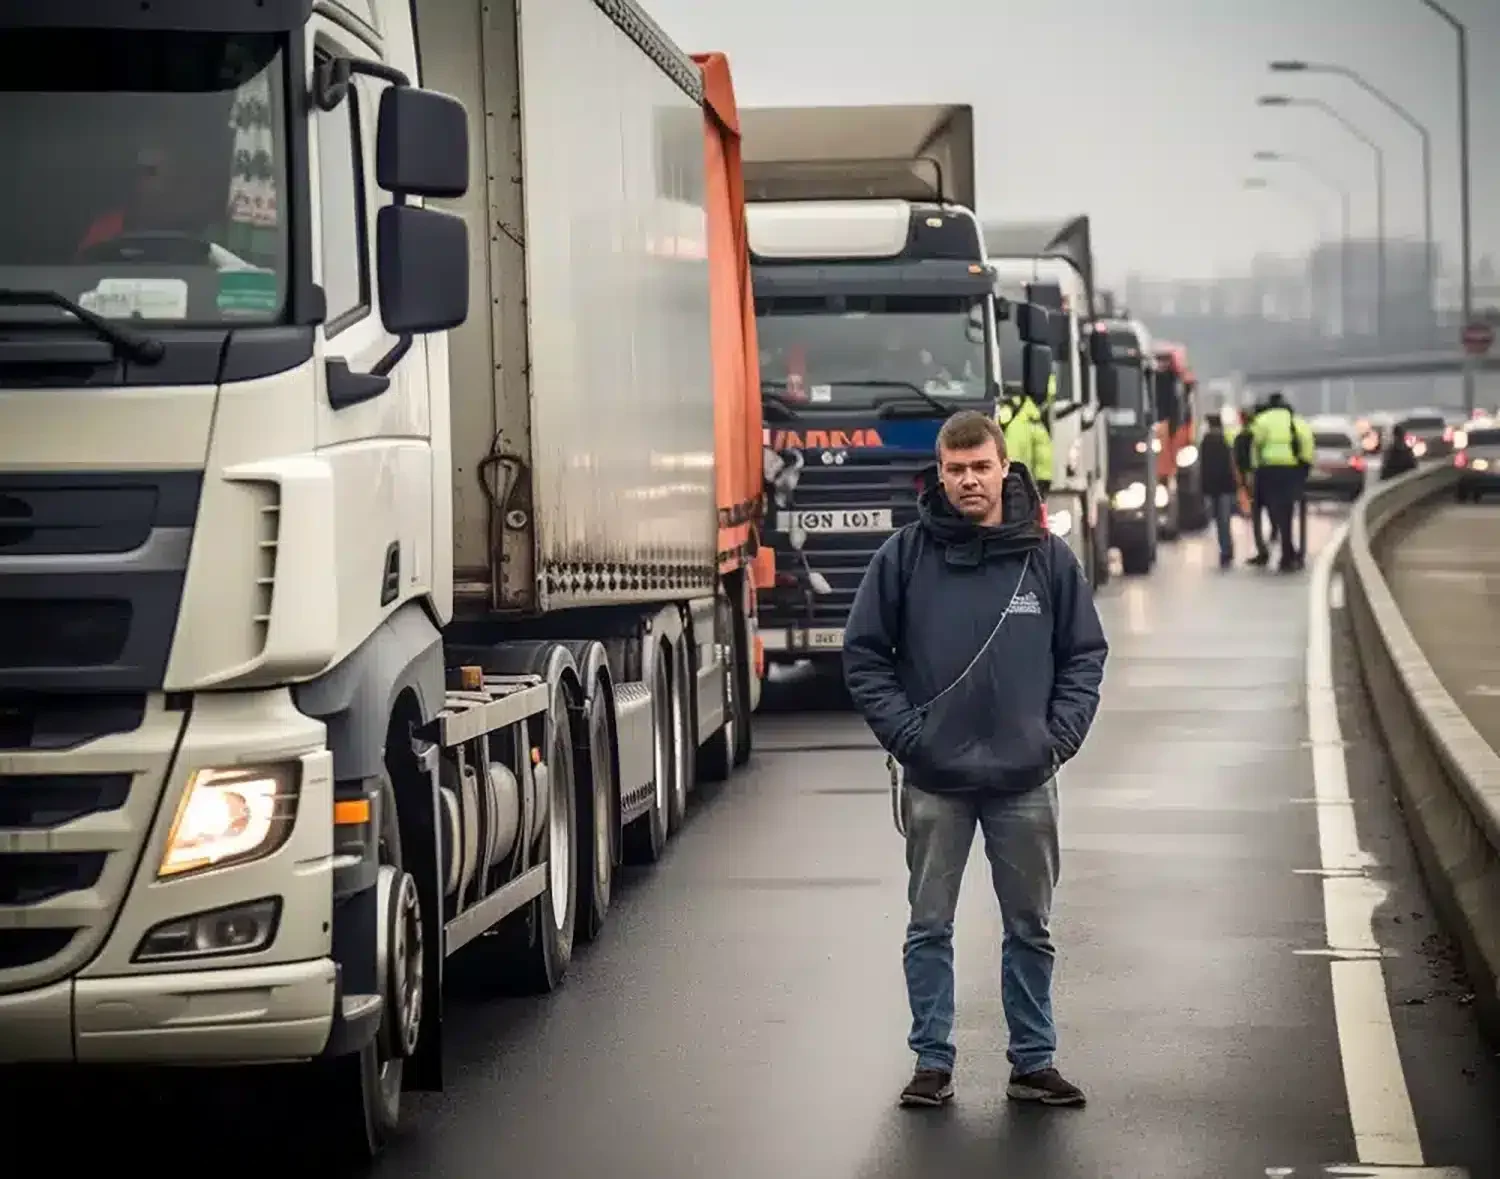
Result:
930,598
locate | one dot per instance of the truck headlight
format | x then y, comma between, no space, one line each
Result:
1060,522
1163,496
229,816
1129,499
1187,456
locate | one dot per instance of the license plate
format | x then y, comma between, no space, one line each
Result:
823,639
874,520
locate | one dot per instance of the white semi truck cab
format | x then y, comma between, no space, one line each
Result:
328,645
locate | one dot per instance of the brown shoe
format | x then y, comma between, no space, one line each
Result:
1046,1086
928,1087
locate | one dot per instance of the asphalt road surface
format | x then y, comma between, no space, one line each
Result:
743,1017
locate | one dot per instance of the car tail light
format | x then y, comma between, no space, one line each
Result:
1448,434
1411,440
1357,462
1044,515
1460,459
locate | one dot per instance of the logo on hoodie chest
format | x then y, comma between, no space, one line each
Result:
1026,603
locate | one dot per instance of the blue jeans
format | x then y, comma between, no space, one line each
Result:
1020,841
1222,508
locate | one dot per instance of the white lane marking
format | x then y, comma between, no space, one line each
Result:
1380,1109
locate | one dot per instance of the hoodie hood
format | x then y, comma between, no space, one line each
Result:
966,543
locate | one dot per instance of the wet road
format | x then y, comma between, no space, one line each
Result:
744,1015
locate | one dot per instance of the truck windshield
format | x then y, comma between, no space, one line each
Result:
848,352
1131,410
144,174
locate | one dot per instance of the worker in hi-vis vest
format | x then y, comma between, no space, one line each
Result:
1281,451
1027,439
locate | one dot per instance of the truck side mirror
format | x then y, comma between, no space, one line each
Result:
1033,324
1036,373
1101,355
1062,334
422,144
1107,384
423,265
1045,294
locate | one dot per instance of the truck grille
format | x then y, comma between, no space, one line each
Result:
841,557
70,841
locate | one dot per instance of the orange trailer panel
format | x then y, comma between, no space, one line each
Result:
736,354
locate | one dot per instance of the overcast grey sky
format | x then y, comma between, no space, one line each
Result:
1146,108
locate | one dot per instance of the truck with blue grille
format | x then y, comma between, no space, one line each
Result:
877,318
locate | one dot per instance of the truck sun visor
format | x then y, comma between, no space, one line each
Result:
184,16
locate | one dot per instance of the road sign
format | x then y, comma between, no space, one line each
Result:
1478,338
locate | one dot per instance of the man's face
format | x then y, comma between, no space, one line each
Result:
973,479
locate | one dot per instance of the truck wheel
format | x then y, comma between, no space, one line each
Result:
684,735
744,685
598,792
718,756
366,1085
646,837
535,945
1135,559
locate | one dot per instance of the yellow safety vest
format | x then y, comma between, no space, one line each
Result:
1274,439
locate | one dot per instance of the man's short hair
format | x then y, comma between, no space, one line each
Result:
968,429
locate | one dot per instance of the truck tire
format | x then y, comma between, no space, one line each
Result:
684,734
1135,559
598,791
534,946
744,682
646,837
364,1087
719,755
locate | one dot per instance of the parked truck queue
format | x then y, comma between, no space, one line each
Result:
409,476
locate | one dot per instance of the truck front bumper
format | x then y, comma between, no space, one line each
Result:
248,1014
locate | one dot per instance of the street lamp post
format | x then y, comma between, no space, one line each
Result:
1345,290
1291,67
1466,244
1380,235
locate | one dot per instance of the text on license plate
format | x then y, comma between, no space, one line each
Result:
823,639
847,520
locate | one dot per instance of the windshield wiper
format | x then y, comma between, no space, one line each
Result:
129,343
883,402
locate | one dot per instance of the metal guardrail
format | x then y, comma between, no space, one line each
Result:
1448,776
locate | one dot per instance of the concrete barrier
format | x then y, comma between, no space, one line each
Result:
1447,775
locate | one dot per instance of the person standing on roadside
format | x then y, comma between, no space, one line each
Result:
1219,485
1244,464
975,653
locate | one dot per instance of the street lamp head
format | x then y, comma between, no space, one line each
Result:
1289,67
1268,156
1256,182
1274,100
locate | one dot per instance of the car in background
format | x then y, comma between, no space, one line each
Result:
1339,463
1428,433
1477,457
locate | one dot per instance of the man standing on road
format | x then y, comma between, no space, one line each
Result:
975,654
1219,485
1282,451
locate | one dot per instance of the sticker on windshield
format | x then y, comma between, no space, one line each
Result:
1121,417
137,298
821,393
248,292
